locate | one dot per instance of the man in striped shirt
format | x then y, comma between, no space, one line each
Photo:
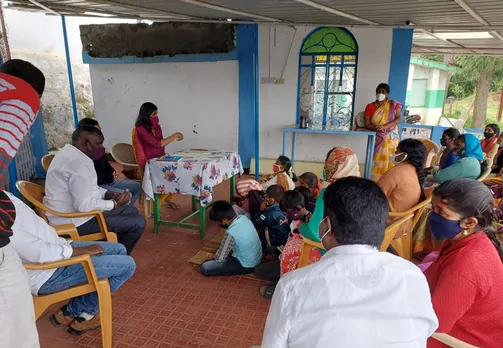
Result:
21,86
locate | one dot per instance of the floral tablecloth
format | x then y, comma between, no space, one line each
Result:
195,174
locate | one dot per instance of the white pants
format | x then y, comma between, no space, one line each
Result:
17,316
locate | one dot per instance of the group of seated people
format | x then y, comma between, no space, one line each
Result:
349,282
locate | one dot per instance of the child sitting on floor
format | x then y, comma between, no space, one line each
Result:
309,200
241,238
272,225
312,182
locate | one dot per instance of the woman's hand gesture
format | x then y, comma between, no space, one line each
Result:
178,136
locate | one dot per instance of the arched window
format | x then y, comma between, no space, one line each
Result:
327,78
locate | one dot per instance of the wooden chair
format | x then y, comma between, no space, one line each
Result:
430,147
389,233
487,171
35,193
102,287
403,245
124,155
46,161
451,341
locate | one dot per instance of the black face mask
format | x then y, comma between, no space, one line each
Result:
443,142
488,135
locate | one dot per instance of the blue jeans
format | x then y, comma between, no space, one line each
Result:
113,264
120,185
228,267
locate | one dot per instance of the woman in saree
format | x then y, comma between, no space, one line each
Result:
149,142
340,162
383,116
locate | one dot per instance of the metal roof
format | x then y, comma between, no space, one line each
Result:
430,18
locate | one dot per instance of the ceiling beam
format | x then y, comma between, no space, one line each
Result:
443,39
478,17
38,4
143,8
229,10
336,12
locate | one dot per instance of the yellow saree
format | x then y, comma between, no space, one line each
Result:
386,141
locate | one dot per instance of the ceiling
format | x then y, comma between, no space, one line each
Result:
432,19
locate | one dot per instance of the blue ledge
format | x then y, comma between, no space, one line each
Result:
326,131
179,58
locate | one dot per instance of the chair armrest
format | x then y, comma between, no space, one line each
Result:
98,214
67,230
84,260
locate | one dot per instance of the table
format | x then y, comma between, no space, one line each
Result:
369,134
195,174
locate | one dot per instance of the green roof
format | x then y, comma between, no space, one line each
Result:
431,64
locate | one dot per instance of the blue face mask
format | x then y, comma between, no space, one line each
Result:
443,228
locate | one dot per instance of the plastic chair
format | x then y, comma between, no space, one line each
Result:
35,193
46,161
391,231
102,287
487,171
451,341
124,155
307,245
430,147
403,245
491,154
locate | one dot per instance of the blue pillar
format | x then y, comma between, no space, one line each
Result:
247,52
70,72
399,66
39,144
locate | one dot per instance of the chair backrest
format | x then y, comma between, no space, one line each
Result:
416,210
392,229
123,153
450,341
487,170
34,193
492,153
307,245
46,161
432,150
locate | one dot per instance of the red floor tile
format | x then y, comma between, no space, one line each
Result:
168,303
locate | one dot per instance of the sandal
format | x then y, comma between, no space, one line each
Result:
267,291
172,205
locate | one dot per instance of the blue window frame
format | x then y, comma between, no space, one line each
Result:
328,60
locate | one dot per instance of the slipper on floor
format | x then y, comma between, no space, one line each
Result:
267,291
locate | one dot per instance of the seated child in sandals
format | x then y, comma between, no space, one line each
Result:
240,238
271,224
283,176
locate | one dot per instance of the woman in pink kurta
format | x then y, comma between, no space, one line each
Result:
149,142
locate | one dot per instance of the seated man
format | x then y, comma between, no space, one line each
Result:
241,238
107,176
37,242
71,186
355,296
272,225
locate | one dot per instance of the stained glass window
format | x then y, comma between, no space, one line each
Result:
327,78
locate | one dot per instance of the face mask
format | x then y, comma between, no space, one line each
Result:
294,216
97,153
443,228
459,152
443,142
324,234
154,121
395,155
488,135
276,168
380,97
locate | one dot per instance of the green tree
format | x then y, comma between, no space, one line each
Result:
484,70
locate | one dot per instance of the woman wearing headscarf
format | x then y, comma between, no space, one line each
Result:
340,162
469,165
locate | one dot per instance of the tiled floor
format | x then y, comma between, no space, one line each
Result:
168,303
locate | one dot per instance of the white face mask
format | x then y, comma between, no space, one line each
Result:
395,155
380,97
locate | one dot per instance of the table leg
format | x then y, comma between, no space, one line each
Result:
284,142
194,203
232,188
157,212
202,221
370,156
292,158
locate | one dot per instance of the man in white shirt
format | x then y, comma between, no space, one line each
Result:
355,296
72,186
37,242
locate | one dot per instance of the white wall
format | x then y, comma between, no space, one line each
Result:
201,97
278,103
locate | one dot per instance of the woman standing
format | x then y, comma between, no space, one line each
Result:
149,142
466,280
383,116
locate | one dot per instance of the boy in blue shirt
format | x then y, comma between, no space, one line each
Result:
241,238
272,224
